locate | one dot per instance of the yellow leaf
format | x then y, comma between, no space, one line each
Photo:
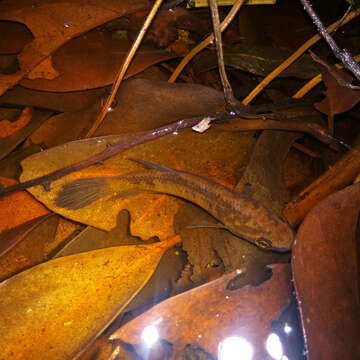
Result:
54,310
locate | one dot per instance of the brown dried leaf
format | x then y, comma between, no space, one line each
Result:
93,239
11,237
338,98
92,60
326,276
8,128
56,309
14,36
141,105
30,245
18,208
53,23
10,142
213,252
71,101
209,314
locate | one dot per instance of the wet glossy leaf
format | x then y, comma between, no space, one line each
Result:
53,23
32,121
325,266
18,208
8,128
14,36
93,239
339,98
92,60
259,60
55,309
140,105
211,313
10,238
71,101
10,165
213,252
28,244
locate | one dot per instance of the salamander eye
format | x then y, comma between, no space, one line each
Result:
263,243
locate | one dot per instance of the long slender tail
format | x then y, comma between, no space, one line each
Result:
82,192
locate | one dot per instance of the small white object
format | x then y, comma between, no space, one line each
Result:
203,125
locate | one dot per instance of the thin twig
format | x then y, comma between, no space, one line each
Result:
230,16
230,101
120,75
342,54
292,58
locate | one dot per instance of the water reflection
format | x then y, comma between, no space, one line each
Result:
235,348
150,336
287,329
274,347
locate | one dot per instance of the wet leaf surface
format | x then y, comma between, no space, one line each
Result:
46,313
92,238
209,314
10,238
140,105
54,23
10,165
10,216
71,101
260,60
326,276
31,244
14,36
8,128
32,122
213,252
339,98
92,60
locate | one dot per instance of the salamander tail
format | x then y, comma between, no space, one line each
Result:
82,192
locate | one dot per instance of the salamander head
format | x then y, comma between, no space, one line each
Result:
280,239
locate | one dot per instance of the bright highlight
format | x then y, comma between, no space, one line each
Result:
274,347
235,348
150,335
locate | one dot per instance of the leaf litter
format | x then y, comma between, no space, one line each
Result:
50,260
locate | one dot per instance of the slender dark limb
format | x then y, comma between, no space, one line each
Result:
231,102
342,54
235,124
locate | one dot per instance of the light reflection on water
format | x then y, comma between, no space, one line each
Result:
235,348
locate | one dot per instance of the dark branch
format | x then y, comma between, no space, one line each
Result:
342,54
